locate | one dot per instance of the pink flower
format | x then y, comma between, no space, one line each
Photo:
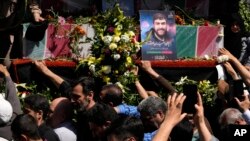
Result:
61,20
111,29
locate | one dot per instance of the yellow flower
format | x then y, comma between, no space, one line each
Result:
131,34
98,60
106,69
113,46
91,60
116,71
106,79
129,60
116,38
117,32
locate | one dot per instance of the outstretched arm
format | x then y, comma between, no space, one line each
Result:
63,86
56,79
244,106
172,117
142,92
244,73
11,93
146,65
199,121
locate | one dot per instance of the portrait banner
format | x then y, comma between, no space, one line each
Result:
158,35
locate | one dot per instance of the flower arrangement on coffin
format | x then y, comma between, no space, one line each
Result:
205,88
244,11
26,89
113,48
183,17
75,33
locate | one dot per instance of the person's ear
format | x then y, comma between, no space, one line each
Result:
39,115
162,115
90,95
23,137
107,124
111,104
239,121
131,139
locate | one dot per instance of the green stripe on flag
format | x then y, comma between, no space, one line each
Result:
186,41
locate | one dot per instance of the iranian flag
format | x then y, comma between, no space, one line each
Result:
198,41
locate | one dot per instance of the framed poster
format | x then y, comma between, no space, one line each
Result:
158,33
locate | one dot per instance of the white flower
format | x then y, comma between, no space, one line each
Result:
107,39
116,39
92,68
181,82
222,58
138,46
23,95
206,57
116,57
125,38
106,69
112,46
126,73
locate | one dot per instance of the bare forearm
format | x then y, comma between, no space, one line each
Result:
57,80
204,133
142,92
244,73
164,131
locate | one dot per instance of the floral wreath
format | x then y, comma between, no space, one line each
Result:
113,46
244,11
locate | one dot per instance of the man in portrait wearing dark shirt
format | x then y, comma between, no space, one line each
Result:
159,44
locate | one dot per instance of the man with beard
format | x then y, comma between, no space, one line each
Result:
81,93
159,31
159,43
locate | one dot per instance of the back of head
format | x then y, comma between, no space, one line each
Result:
126,127
152,105
111,94
182,131
6,111
36,103
25,124
63,107
101,113
230,116
61,111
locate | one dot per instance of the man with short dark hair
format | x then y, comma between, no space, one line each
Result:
111,94
126,128
24,128
82,95
159,43
38,107
159,31
100,117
